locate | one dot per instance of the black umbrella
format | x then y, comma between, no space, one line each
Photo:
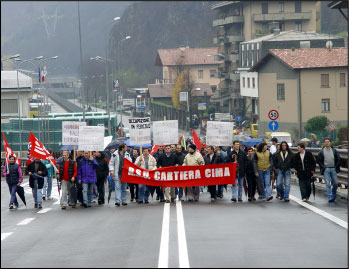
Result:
313,185
20,192
115,144
110,187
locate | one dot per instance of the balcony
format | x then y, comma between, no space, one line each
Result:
282,16
232,58
228,20
233,38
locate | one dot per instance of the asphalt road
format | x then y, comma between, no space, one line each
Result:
218,234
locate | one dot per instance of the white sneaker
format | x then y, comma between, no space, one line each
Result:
49,198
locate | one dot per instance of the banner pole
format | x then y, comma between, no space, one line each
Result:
74,154
140,151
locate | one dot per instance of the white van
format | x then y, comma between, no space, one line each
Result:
282,136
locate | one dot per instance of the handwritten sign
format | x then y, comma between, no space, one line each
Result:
139,131
165,132
219,133
70,132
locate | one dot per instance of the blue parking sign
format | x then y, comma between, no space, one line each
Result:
273,125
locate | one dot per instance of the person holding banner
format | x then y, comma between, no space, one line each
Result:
180,158
193,158
134,188
157,155
67,174
87,177
37,171
145,161
212,158
13,173
165,160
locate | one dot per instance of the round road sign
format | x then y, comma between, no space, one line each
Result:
273,114
332,127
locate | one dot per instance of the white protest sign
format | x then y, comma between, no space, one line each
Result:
139,131
165,132
219,133
91,138
70,132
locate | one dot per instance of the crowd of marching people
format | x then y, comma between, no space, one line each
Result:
84,179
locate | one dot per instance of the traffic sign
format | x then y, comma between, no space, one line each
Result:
201,106
273,125
332,127
238,118
273,114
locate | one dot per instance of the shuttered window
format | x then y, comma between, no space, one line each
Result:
325,105
280,91
9,106
325,80
342,79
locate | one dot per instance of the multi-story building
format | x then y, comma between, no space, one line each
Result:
246,20
202,66
301,84
251,51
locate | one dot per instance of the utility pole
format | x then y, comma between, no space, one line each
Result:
81,67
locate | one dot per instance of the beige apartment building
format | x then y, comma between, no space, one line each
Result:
202,66
239,21
301,84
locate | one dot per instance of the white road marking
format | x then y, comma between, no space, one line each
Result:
26,221
44,210
165,234
5,235
182,241
326,215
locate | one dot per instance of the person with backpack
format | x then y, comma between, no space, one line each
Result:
67,174
283,163
14,178
329,162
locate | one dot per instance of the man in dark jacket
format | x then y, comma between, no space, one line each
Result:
37,171
134,187
242,161
165,160
102,173
79,157
159,193
304,163
251,171
283,163
329,162
180,158
212,158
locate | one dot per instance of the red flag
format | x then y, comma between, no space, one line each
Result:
196,140
154,149
9,152
38,150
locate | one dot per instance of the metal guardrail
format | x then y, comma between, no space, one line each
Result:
69,106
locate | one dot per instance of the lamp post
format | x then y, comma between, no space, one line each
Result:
119,55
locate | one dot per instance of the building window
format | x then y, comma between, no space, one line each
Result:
281,6
213,88
243,82
298,6
9,106
280,91
264,8
200,73
325,83
282,26
242,55
213,73
265,27
247,54
342,79
325,105
299,26
257,54
254,106
248,82
253,83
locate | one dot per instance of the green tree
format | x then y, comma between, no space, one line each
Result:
317,124
178,87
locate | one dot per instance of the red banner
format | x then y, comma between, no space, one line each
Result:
38,150
9,152
180,176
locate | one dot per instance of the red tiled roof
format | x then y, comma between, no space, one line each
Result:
312,57
165,90
191,56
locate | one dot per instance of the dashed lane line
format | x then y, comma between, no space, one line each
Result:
322,213
42,211
182,241
165,234
26,221
5,235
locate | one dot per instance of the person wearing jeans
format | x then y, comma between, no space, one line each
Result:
47,188
87,176
283,163
145,161
37,171
13,174
264,163
241,158
329,162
